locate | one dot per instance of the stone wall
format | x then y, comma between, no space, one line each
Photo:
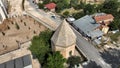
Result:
66,51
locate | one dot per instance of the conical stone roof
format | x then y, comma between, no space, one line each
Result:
64,35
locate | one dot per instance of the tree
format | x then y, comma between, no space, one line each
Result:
60,6
66,14
79,6
56,1
78,15
40,5
73,60
89,9
40,46
98,8
110,6
46,1
115,24
73,3
66,1
55,60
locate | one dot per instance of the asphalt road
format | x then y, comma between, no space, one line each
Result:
90,51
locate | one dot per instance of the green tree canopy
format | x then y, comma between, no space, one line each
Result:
46,1
115,24
73,60
73,3
110,6
79,6
89,9
40,5
78,15
66,14
40,45
55,60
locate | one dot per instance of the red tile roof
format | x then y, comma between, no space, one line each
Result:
103,17
50,6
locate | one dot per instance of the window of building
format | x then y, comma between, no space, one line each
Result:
70,53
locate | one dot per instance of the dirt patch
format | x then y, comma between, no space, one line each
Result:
4,26
12,35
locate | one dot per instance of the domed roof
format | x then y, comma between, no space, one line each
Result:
64,35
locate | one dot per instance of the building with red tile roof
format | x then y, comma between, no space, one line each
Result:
50,6
106,18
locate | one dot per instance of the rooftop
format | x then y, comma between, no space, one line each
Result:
103,17
64,35
50,6
17,63
87,25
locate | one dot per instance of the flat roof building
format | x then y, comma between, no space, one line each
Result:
88,27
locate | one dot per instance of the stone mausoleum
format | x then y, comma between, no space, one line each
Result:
64,40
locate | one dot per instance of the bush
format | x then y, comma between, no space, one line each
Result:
79,6
41,45
74,60
78,15
55,60
66,14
